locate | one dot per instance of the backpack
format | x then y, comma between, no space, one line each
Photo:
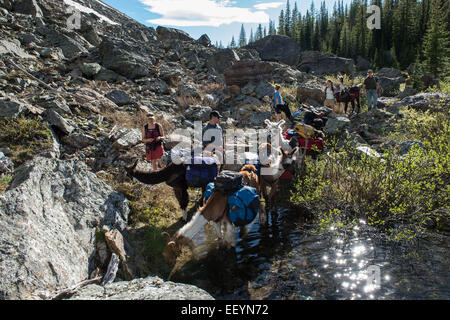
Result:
201,171
244,206
228,182
304,130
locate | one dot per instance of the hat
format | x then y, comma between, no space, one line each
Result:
370,71
150,115
215,114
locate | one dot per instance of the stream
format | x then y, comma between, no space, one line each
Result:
287,259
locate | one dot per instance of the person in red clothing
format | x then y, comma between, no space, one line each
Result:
152,136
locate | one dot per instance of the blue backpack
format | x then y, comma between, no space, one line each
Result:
201,171
244,204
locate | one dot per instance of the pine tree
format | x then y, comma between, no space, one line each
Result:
265,31
287,20
251,39
281,29
259,33
294,22
242,37
436,40
233,43
272,30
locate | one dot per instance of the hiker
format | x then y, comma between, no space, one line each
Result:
371,88
329,95
152,136
279,106
212,131
340,88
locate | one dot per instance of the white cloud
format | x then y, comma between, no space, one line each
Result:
268,5
182,13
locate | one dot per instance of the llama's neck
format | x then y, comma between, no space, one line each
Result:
158,176
283,142
194,226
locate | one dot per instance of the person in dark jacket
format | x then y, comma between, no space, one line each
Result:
371,89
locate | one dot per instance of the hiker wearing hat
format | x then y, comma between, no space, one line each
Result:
152,136
371,87
279,106
212,134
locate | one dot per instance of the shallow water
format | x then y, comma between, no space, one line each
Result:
287,260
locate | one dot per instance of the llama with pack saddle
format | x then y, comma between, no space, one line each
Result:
198,173
223,208
351,95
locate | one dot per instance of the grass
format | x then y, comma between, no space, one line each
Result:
25,137
4,182
153,210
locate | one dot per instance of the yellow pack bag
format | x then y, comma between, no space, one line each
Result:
304,130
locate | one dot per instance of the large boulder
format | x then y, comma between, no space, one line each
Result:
245,71
323,63
12,109
164,33
425,101
390,87
13,48
150,288
48,218
188,94
390,73
362,64
222,60
71,46
119,97
336,125
311,90
277,48
30,7
204,40
125,59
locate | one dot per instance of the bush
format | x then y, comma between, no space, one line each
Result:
25,138
401,195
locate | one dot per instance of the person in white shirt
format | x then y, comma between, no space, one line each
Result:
329,95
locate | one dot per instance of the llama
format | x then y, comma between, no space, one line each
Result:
214,211
173,175
276,130
279,162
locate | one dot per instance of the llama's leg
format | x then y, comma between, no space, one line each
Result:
193,227
229,237
346,106
218,228
183,200
273,191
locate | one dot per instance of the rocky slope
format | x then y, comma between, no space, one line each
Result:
91,86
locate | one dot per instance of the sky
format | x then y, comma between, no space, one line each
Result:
219,19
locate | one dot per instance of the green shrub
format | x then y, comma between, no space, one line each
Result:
401,195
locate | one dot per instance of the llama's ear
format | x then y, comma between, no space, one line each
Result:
296,149
167,236
171,244
281,122
267,121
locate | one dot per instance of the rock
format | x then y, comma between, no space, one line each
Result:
119,97
79,140
13,48
126,138
30,7
264,88
222,60
406,146
425,101
57,121
47,226
204,40
210,100
51,53
336,125
390,73
406,93
71,46
127,60
59,106
245,71
389,87
187,95
197,112
106,75
362,64
164,33
311,90
150,288
277,48
90,69
6,164
11,109
115,242
367,151
234,90
323,63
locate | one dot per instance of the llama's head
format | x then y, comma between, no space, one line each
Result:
173,247
130,170
290,160
275,128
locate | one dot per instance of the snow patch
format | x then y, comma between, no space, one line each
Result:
87,10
